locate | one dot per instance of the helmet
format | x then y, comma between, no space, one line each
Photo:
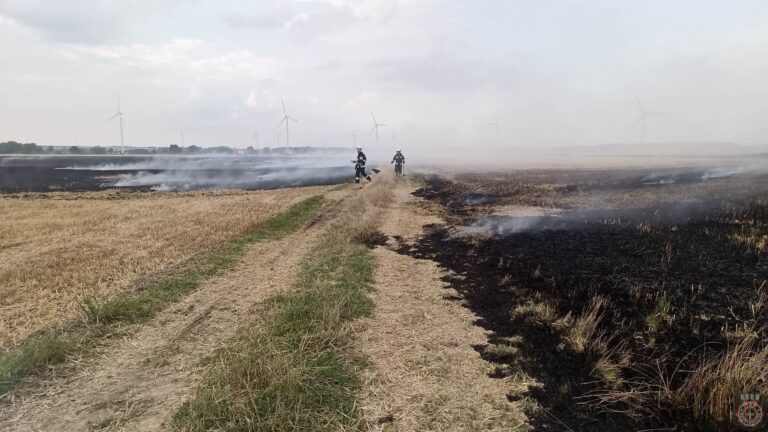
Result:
398,150
359,148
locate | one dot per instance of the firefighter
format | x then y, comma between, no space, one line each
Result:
398,160
360,166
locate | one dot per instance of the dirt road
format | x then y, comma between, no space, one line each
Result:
136,383
425,375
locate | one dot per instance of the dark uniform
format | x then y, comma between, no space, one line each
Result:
398,160
360,166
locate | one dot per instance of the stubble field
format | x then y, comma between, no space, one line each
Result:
58,249
615,299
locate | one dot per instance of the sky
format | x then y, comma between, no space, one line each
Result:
436,72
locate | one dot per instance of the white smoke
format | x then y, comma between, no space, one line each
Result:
168,173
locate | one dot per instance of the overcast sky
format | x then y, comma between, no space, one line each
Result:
437,72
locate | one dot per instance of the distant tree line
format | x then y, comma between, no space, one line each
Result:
13,147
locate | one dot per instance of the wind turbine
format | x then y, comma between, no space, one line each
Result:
496,126
256,138
643,115
286,119
182,138
376,127
120,115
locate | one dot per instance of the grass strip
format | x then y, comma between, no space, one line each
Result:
297,370
99,320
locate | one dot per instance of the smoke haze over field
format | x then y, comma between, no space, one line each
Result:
437,72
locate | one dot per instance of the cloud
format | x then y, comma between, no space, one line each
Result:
362,100
186,58
436,71
270,19
262,99
86,21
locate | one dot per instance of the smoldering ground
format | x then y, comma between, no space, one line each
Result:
170,173
614,303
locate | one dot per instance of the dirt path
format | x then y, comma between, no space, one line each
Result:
137,383
425,375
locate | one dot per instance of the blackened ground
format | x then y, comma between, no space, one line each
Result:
44,174
692,263
573,189
48,174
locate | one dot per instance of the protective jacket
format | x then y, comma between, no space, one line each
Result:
361,160
399,158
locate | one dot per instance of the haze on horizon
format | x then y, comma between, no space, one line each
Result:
561,73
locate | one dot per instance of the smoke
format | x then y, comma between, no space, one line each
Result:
472,199
702,174
169,173
499,225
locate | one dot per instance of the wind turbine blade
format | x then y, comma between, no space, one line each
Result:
255,135
110,119
639,119
291,118
374,128
639,104
374,118
281,122
284,112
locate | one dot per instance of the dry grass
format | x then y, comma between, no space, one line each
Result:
57,248
297,370
711,388
708,391
582,335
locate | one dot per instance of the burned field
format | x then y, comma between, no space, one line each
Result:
614,302
166,173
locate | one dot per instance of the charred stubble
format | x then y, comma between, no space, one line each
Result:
676,292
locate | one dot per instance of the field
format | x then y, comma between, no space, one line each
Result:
616,299
547,299
58,248
170,173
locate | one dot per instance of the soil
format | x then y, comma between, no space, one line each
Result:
424,373
135,384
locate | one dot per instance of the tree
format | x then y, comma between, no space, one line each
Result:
174,149
75,150
13,147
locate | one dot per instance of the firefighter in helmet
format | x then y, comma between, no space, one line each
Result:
360,166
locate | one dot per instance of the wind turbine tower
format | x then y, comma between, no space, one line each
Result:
286,119
643,115
376,126
496,126
119,115
182,138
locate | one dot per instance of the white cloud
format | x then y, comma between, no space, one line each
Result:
185,58
262,99
85,21
361,100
